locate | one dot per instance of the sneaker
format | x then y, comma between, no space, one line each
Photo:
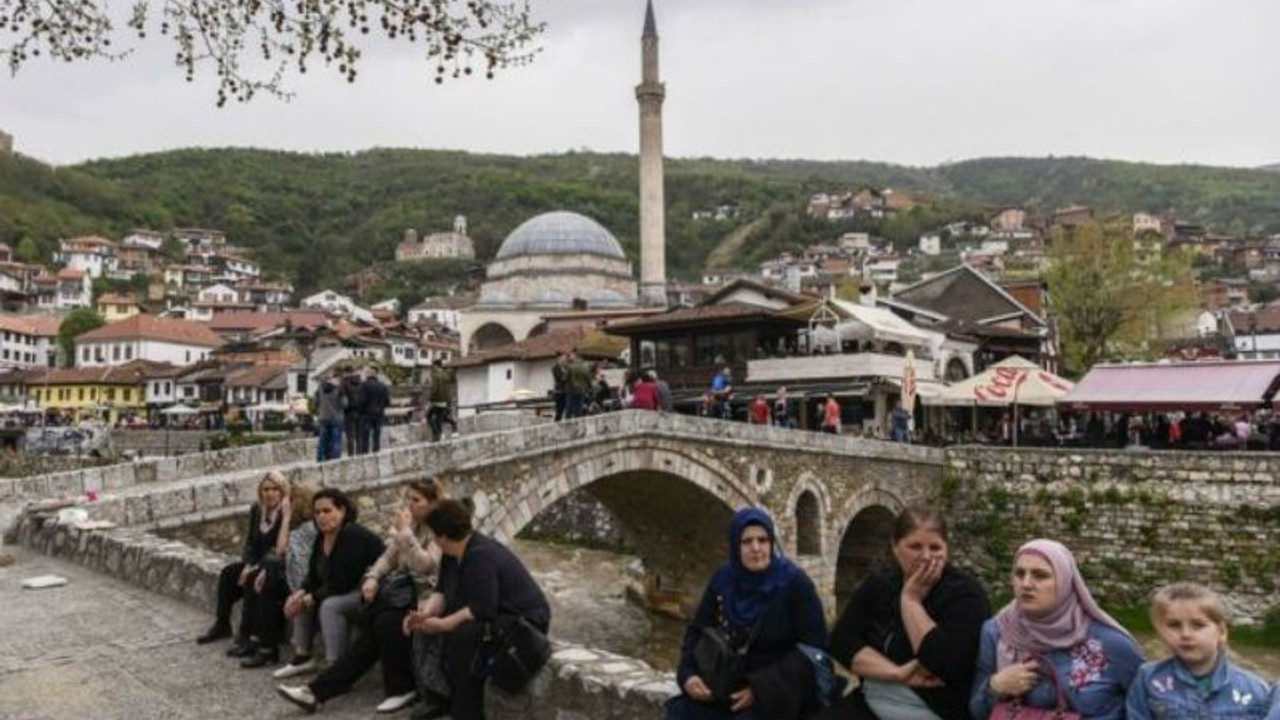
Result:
299,695
396,702
297,666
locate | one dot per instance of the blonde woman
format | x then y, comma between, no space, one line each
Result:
237,579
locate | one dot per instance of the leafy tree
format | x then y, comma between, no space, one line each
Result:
1107,302
173,249
76,323
27,251
238,37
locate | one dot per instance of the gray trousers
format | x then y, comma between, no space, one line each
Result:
337,613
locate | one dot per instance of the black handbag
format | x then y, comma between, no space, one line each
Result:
517,650
395,592
719,664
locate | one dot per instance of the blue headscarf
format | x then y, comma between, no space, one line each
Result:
746,593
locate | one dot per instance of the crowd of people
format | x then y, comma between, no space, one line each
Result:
351,408
439,605
436,606
921,640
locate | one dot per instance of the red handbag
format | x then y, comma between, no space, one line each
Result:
1015,710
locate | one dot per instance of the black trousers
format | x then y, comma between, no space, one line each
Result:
351,433
383,642
465,681
229,593
268,606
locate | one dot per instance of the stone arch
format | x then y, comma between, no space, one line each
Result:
808,525
865,542
678,557
808,484
491,335
540,329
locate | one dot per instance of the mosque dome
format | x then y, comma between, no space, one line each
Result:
560,233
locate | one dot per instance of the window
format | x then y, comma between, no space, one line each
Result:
84,354
128,352
188,356
115,352
111,394
166,389
81,395
128,394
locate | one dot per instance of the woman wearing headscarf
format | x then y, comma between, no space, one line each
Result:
1053,630
761,601
910,632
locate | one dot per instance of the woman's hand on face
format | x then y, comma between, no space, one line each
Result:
1016,679
696,689
741,700
922,579
403,520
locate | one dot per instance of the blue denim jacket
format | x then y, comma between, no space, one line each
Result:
1166,690
1095,674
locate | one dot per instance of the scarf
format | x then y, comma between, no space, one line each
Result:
745,594
1023,636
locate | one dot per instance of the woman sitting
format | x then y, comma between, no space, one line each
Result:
237,579
767,605
1054,636
342,551
911,631
297,538
413,559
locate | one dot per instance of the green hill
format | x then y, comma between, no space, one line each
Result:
316,218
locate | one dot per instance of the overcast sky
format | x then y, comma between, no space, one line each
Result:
917,82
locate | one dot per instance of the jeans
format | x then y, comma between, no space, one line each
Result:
329,444
561,399
337,612
370,434
351,430
575,405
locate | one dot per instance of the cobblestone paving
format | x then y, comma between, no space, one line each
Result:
97,649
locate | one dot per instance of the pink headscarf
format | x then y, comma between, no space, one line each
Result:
1023,636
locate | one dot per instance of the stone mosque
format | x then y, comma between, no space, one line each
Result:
563,261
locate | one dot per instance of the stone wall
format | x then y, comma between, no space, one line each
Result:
1135,520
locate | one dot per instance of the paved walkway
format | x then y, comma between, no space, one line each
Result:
100,649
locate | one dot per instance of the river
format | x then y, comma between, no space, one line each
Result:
586,589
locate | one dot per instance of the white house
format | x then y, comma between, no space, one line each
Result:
234,268
146,337
931,244
67,290
144,238
330,302
218,293
28,342
443,310
90,254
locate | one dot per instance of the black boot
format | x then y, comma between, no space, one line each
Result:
262,658
217,632
244,650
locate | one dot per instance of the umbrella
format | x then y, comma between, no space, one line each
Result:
1012,381
179,410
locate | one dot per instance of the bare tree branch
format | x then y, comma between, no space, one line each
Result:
252,46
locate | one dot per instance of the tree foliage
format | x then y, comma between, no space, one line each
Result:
252,46
76,323
1110,304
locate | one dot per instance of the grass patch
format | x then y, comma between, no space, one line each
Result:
1267,635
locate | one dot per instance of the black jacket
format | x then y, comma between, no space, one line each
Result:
492,581
341,572
374,398
958,605
257,543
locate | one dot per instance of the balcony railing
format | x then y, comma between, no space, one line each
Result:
851,365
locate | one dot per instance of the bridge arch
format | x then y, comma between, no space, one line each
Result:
866,539
808,506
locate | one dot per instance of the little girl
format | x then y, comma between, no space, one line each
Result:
1199,681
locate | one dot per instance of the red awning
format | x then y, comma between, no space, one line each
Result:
1202,386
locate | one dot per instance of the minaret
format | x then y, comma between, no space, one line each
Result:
653,234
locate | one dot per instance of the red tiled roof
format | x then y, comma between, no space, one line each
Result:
257,322
116,299
70,274
44,325
87,240
150,327
700,315
256,375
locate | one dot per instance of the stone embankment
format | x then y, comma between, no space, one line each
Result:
1134,519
